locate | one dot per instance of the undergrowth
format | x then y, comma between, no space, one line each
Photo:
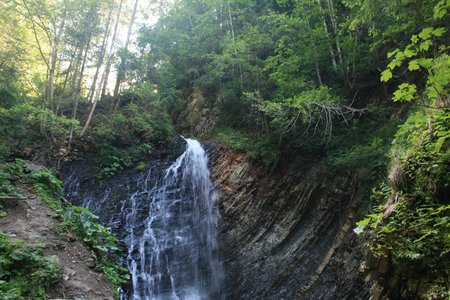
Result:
411,224
24,270
261,149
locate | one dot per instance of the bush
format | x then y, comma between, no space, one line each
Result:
259,149
26,125
127,134
99,238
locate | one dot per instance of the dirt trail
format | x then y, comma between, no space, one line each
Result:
32,221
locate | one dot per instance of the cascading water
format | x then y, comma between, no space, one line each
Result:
168,222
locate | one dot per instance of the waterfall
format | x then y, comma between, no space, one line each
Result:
168,222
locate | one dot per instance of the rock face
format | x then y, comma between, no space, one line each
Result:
287,235
197,118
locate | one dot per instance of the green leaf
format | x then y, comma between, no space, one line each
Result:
409,52
414,39
426,33
439,143
413,65
386,75
363,222
405,92
425,46
395,63
392,53
425,62
439,31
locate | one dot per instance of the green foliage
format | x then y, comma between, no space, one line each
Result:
84,224
259,149
421,145
46,177
99,238
26,125
9,172
428,54
24,271
421,234
129,133
141,166
414,229
374,151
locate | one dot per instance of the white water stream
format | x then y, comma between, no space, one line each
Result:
170,230
176,256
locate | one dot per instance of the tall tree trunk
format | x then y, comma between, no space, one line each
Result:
327,32
91,112
54,59
69,69
316,60
241,80
77,88
101,57
334,24
121,71
111,50
83,65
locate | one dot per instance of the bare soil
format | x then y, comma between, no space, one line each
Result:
33,221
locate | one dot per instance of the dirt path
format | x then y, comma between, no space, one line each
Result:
32,221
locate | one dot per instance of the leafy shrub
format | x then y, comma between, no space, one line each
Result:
99,238
375,149
24,124
46,177
127,134
260,149
19,263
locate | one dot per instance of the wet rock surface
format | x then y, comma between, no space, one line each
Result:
287,235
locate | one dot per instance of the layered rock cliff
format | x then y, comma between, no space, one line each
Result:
288,235
284,235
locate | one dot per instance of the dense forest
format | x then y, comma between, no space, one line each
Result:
359,85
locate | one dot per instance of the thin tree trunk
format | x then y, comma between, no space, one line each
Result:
91,112
83,65
101,57
72,58
73,89
327,32
121,71
231,22
316,60
54,58
334,23
241,80
76,91
74,114
73,80
111,50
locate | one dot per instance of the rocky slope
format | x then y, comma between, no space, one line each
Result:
288,235
29,219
